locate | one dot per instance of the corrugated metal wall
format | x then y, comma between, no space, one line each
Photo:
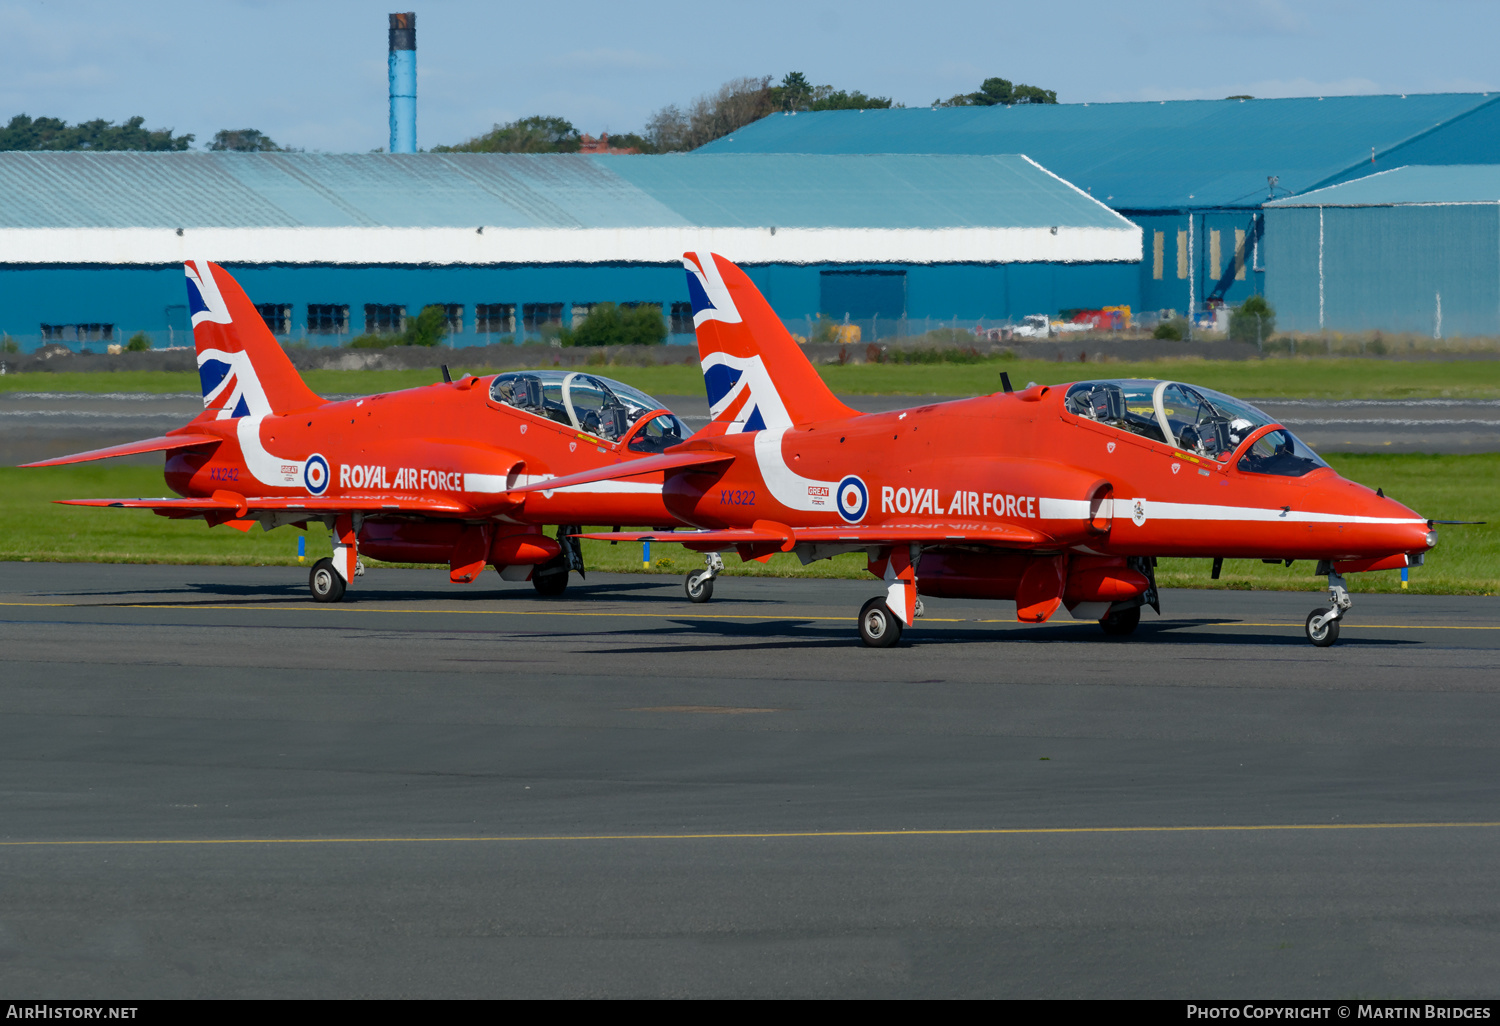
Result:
153,300
1223,243
1384,268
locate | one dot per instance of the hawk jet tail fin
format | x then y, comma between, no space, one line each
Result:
243,369
757,376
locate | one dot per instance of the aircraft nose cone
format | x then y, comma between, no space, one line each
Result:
1412,535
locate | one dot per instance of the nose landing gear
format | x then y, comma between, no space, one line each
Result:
1323,624
700,583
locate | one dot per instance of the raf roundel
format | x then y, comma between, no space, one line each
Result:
315,474
854,499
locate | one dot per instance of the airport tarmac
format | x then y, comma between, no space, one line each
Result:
213,787
41,425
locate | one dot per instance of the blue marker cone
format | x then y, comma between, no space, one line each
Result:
646,553
1403,577
302,548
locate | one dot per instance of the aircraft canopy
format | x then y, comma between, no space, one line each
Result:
1194,419
597,405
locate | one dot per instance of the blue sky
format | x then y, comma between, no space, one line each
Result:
314,75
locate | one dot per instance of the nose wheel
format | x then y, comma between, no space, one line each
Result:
1323,624
1322,627
699,584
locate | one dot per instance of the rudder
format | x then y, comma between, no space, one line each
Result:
756,375
242,368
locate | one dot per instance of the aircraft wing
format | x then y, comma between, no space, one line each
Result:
162,443
1000,535
630,468
229,502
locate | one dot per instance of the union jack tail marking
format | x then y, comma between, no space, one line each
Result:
757,377
243,370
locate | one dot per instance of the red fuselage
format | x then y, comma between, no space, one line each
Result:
422,461
1022,460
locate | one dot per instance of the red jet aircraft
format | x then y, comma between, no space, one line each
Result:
1051,496
425,475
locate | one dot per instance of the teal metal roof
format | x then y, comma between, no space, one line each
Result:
271,190
1453,184
1177,154
863,191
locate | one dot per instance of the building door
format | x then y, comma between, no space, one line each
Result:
863,295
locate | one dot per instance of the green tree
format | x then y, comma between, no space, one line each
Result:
796,93
27,133
243,140
610,325
856,100
139,342
999,92
711,116
428,328
538,134
1252,320
632,141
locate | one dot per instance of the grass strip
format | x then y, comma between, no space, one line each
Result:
1447,487
1300,378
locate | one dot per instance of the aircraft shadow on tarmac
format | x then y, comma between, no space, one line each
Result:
218,593
823,634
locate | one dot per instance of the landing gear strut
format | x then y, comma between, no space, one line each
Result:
1323,624
330,576
882,618
700,583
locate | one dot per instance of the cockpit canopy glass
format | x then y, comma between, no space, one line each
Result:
1194,419
597,405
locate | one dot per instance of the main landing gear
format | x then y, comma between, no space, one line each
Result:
1121,623
326,583
878,626
550,579
882,618
329,577
699,584
1323,624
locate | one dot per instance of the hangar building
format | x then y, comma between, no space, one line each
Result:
514,245
1192,173
1411,249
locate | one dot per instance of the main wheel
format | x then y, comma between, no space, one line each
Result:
550,579
324,582
1327,633
878,626
1118,625
699,586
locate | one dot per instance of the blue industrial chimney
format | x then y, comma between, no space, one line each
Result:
403,74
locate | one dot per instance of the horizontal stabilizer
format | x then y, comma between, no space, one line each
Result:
999,535
164,443
630,468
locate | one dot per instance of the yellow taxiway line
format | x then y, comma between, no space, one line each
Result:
767,836
329,608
